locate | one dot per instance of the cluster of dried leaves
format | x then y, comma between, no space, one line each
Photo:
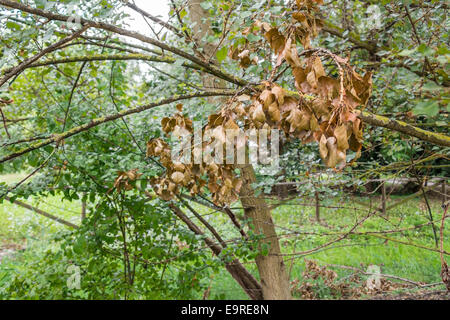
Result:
328,103
194,176
318,278
305,25
321,110
124,180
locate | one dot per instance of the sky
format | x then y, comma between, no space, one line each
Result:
159,8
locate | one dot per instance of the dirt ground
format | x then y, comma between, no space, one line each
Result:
8,250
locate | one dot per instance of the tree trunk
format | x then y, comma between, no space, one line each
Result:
235,267
317,198
271,267
272,271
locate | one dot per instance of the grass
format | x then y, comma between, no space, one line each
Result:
12,178
358,251
19,225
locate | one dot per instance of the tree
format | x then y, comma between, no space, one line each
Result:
320,99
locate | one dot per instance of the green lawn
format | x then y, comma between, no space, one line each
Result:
359,251
19,226
12,177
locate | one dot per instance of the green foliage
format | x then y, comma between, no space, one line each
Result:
111,266
163,259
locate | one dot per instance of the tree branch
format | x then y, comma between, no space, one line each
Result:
208,67
22,66
43,213
350,37
111,57
245,279
98,121
402,127
17,120
155,19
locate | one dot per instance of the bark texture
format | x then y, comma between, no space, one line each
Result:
271,268
403,127
235,267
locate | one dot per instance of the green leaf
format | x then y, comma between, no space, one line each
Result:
425,50
183,13
431,86
222,54
407,52
429,108
246,14
206,5
252,38
13,25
